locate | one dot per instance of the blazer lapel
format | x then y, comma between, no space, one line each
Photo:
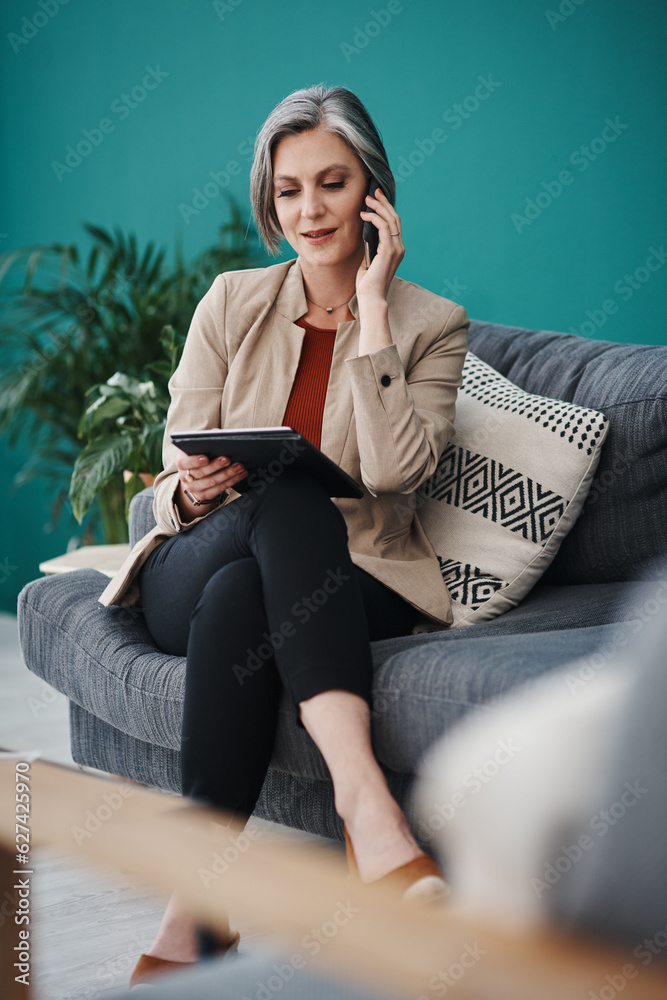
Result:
338,407
282,341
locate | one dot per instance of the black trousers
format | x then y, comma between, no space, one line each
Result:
262,596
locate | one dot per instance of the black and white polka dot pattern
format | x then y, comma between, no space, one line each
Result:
575,424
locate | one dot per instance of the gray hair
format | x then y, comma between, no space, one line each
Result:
335,109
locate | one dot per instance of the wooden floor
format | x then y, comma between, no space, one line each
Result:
89,929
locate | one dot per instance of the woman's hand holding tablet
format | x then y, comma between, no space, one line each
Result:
262,453
206,477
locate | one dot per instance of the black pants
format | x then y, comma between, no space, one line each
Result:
262,596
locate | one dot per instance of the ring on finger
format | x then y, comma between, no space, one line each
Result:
189,477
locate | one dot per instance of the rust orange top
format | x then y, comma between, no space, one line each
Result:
305,405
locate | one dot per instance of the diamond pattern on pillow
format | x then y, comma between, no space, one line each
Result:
484,486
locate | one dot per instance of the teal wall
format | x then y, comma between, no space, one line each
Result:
554,77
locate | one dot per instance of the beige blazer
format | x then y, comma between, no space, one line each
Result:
387,417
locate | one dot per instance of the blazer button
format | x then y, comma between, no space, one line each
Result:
386,380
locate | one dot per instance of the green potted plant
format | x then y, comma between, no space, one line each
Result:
70,323
124,427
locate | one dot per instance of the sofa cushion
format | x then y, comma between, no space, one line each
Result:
623,523
508,488
104,660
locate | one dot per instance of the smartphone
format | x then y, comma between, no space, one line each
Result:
370,235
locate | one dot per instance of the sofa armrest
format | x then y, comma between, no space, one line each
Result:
141,515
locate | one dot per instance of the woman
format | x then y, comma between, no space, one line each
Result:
366,366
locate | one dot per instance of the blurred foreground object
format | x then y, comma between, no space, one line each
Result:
287,890
554,800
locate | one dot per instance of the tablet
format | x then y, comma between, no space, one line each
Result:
266,452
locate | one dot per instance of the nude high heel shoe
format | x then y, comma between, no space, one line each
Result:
420,880
148,968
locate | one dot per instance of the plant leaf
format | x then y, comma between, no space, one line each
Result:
104,408
151,445
97,464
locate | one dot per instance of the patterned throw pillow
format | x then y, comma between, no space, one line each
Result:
508,488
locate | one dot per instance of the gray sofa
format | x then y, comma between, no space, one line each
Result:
126,695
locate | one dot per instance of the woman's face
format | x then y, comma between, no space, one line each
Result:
319,187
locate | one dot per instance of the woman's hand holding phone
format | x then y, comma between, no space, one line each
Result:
373,279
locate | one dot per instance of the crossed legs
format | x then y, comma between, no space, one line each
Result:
272,574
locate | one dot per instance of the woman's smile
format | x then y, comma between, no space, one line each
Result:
316,236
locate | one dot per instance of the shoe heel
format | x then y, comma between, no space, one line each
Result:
419,881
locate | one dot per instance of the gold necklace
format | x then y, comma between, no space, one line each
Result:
328,309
